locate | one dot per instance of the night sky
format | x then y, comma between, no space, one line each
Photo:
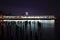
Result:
34,7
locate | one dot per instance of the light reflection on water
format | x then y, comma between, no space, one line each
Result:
46,28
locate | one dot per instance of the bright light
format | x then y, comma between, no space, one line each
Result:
26,13
20,17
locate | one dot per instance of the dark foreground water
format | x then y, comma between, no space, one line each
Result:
28,30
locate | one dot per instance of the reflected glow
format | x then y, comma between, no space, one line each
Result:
24,20
45,23
33,20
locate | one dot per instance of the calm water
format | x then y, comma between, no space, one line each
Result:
28,30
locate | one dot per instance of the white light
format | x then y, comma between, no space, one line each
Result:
14,17
26,13
21,20
15,20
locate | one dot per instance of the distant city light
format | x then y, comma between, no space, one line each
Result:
29,17
26,13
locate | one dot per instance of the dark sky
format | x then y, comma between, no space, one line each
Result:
34,7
